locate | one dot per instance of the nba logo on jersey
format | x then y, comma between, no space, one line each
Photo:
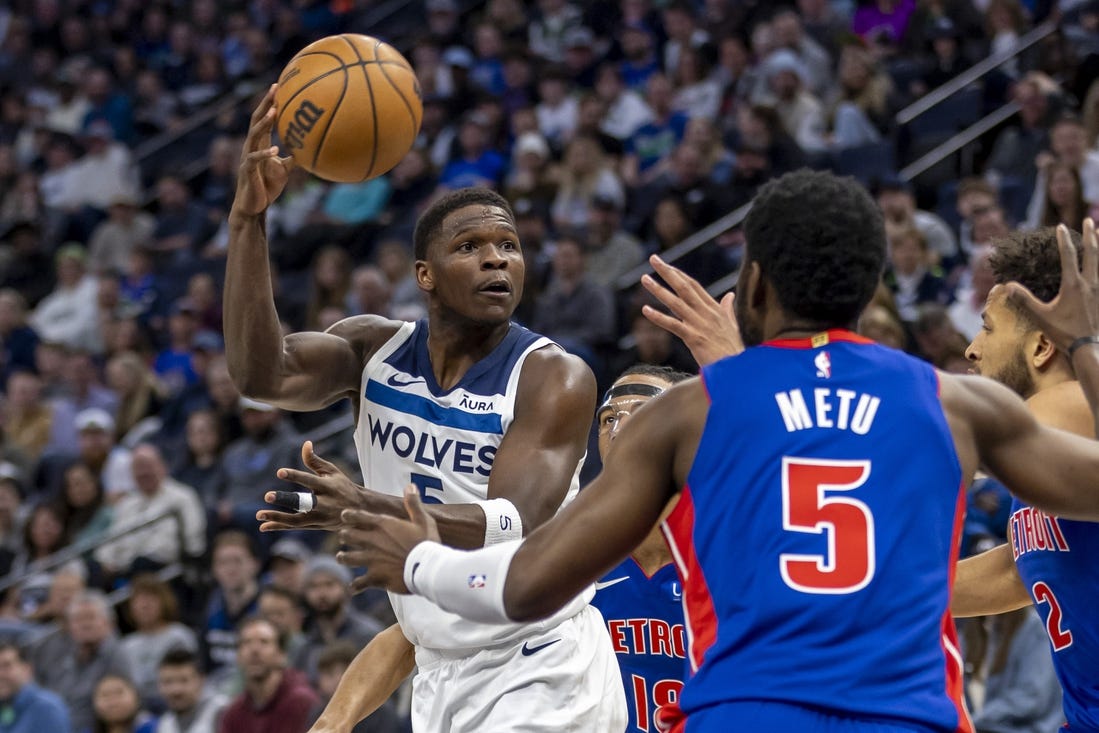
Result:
477,581
823,364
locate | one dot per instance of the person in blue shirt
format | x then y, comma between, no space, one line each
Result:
25,707
641,599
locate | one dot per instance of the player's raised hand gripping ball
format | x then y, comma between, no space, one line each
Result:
349,108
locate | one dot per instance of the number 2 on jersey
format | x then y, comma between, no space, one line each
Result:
809,507
1058,637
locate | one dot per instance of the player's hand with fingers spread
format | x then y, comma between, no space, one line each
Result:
332,492
381,544
707,327
263,173
1074,313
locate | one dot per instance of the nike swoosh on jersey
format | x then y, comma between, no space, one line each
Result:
528,650
394,382
609,583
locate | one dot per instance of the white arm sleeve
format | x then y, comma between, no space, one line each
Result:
468,583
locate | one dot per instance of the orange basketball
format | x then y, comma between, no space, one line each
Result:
348,107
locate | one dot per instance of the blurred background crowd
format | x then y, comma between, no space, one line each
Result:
131,468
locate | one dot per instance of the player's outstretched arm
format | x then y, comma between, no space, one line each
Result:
373,676
531,472
1047,468
988,584
531,580
707,327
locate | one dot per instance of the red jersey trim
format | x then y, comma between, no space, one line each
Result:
832,335
955,684
698,603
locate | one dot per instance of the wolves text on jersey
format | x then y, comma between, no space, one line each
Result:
458,456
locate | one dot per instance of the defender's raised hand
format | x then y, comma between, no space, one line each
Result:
263,173
332,493
1072,316
381,544
708,328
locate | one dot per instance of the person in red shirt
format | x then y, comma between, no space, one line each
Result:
275,699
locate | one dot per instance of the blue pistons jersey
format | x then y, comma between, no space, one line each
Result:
1058,561
410,430
817,537
644,616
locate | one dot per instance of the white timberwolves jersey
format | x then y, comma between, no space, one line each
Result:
444,442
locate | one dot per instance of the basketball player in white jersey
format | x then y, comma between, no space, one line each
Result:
487,419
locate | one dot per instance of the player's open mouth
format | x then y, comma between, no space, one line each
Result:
498,288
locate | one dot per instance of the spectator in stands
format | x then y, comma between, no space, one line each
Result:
476,164
557,109
580,56
1005,22
671,224
623,110
898,205
137,389
191,708
286,569
882,23
87,515
880,324
224,399
215,186
698,91
611,250
175,538
573,310
1063,197
487,73
97,450
235,597
547,30
199,464
140,288
413,182
27,418
13,513
975,196
369,292
332,662
153,612
250,462
284,610
801,112
530,174
117,707
946,60
26,265
330,282
103,173
68,314
585,174
912,275
43,535
82,387
155,108
173,365
275,699
1068,145
203,294
789,33
862,111
91,654
936,338
654,141
181,224
105,104
969,304
354,204
1015,152
26,707
331,616
639,50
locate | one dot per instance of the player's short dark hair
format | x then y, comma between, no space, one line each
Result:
1032,259
820,242
430,223
668,374
179,656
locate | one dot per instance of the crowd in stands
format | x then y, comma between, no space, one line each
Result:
616,128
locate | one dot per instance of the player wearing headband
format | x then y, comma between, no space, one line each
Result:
641,599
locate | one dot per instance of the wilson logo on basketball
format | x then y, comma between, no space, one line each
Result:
305,118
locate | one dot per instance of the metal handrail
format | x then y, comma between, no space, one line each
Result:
690,244
973,73
76,550
955,143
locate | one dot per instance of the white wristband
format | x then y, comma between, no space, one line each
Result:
468,583
502,521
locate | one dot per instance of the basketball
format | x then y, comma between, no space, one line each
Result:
348,108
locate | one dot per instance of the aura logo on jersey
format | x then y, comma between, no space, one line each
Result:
429,450
304,120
